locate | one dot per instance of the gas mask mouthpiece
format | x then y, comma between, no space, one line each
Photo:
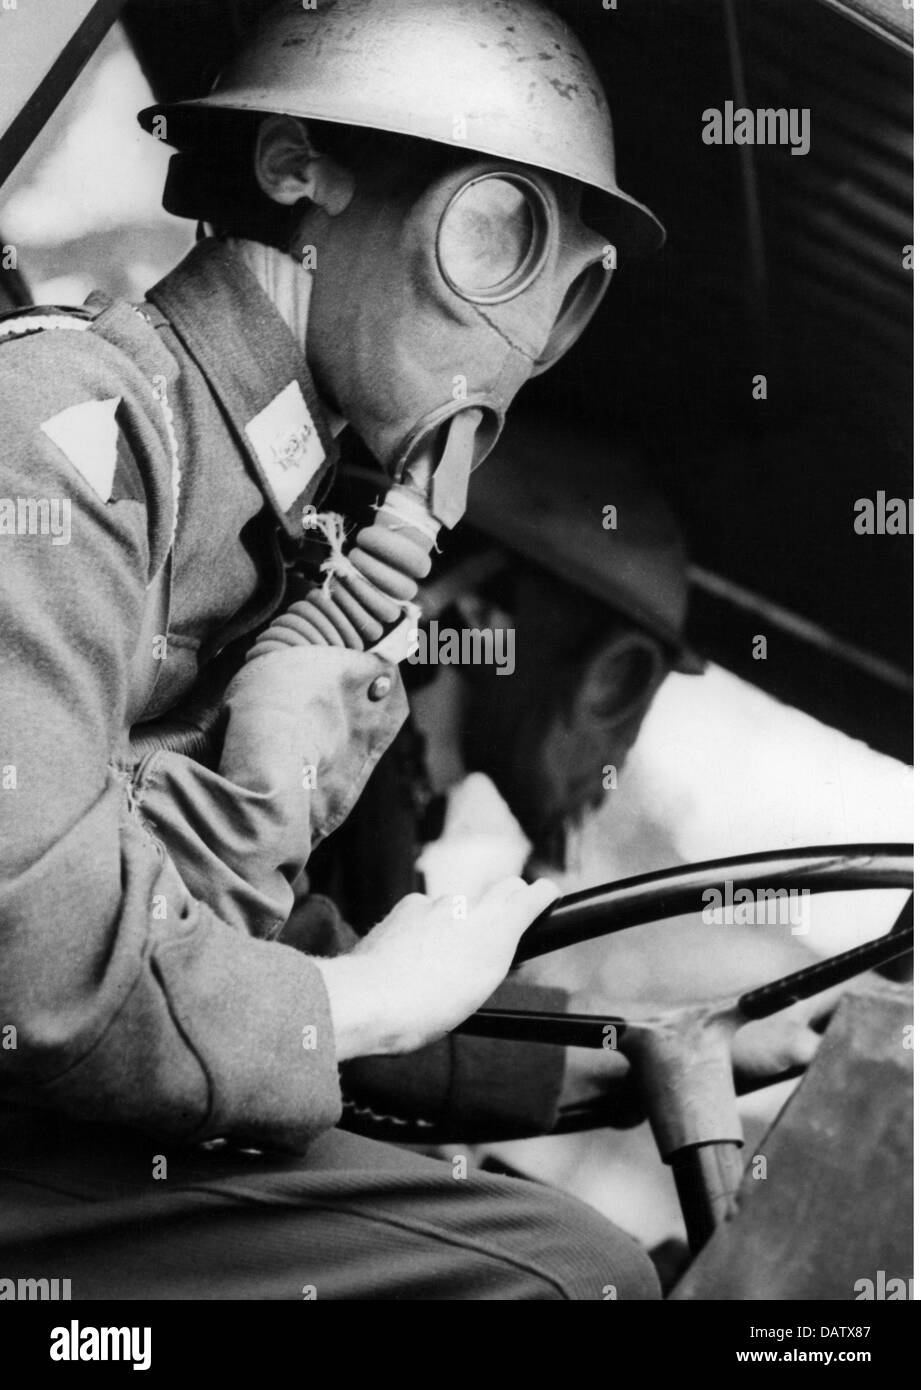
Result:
429,310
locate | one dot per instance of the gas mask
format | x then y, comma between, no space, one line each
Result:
430,311
433,302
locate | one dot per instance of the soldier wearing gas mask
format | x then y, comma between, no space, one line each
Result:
394,192
392,195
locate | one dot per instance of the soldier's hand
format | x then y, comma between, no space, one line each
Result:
761,1050
429,965
770,1046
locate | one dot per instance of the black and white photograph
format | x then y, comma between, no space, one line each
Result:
456,648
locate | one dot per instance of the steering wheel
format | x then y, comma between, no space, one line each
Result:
681,1060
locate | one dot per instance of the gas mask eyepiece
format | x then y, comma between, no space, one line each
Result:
579,304
494,237
494,240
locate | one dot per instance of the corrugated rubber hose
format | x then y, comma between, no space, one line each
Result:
368,591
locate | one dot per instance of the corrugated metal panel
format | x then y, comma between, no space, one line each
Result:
837,220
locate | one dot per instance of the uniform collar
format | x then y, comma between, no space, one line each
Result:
256,369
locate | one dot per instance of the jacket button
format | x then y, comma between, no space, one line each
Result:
380,688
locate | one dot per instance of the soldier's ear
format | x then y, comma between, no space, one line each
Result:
288,167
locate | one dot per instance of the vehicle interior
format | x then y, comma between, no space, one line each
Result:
745,394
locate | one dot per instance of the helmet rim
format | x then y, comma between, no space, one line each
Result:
503,78
644,231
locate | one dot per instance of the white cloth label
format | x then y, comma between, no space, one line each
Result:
287,445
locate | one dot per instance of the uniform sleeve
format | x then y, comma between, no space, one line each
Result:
126,997
304,729
471,1089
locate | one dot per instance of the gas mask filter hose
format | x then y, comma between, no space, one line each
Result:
366,601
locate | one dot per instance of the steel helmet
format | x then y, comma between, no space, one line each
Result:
506,78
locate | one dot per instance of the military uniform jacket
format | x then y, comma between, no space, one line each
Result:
151,456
